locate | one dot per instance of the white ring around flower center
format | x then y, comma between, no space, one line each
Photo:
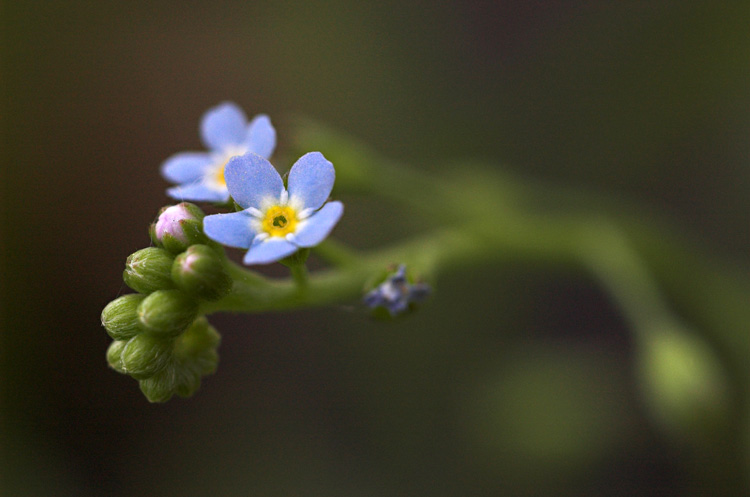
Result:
214,175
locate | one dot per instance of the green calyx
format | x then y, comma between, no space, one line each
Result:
114,356
193,355
167,366
200,272
145,355
167,312
148,270
296,259
120,317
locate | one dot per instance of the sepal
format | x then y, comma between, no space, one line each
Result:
194,355
148,270
160,387
120,317
200,272
167,312
114,356
296,259
145,355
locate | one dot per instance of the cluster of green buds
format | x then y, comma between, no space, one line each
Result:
160,338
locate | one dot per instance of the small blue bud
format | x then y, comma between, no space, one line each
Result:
396,293
149,270
167,312
178,227
120,317
199,271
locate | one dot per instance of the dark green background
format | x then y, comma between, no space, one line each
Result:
514,380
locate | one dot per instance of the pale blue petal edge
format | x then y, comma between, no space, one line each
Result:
185,167
268,251
261,136
311,180
223,125
251,179
234,229
197,192
319,225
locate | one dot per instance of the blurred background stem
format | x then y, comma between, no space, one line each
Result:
688,314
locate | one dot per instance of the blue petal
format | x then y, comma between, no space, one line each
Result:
234,230
223,125
317,226
400,276
269,250
374,298
397,306
197,192
311,180
186,167
261,136
251,179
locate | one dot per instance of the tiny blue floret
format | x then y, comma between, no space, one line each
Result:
276,221
396,293
226,133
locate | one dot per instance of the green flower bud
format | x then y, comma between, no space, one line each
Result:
114,353
684,383
193,356
148,270
199,271
189,382
167,312
196,348
178,227
170,381
145,355
161,386
120,317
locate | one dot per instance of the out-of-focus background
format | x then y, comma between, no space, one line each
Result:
514,380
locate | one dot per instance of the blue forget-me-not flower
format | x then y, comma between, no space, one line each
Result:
396,293
226,133
276,221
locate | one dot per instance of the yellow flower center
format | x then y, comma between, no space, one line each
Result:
219,174
280,220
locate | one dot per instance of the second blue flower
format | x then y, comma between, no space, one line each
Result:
226,133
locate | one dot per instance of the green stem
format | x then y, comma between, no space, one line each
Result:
425,256
300,276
